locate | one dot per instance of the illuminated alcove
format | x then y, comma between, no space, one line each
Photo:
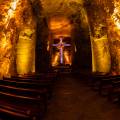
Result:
60,43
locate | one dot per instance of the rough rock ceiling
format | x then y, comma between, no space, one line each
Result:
61,9
55,7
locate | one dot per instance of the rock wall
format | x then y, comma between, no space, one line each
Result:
17,38
101,59
8,37
113,24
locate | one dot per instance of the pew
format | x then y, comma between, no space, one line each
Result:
108,85
114,92
31,82
51,76
25,97
95,80
98,80
46,80
22,103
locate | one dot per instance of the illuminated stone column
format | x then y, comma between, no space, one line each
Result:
25,52
98,33
25,48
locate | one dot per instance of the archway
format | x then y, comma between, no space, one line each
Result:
79,32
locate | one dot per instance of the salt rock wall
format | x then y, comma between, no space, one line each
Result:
101,59
17,38
113,24
8,36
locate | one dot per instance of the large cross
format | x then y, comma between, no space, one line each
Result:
60,46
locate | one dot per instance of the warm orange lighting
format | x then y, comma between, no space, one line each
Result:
55,59
114,37
11,11
5,49
48,46
67,57
25,51
3,41
4,70
75,49
115,16
17,38
60,26
14,4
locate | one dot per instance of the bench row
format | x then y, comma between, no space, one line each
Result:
26,97
107,85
